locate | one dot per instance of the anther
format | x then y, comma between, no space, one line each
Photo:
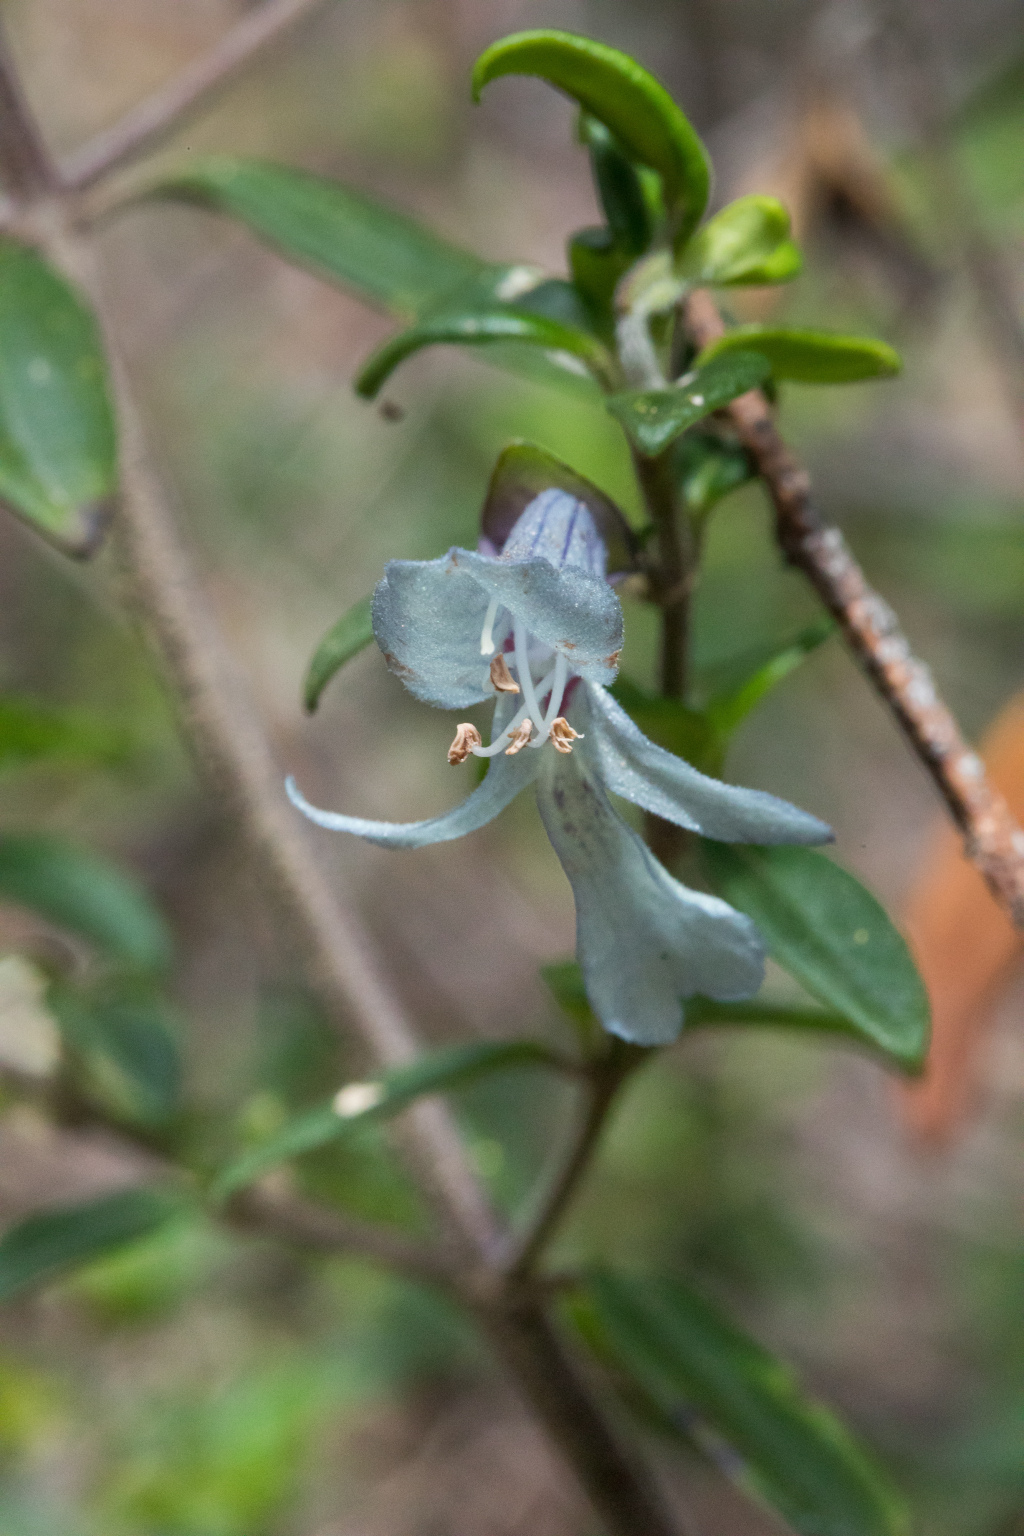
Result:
466,738
562,735
520,737
501,677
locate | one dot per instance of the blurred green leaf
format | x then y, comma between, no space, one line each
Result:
708,469
58,455
809,357
483,327
596,264
672,725
621,94
126,1046
686,1355
359,1104
823,927
747,242
387,258
86,894
730,706
351,634
44,1245
653,418
618,187
33,732
522,472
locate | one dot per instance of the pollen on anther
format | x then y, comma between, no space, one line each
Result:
563,735
520,738
466,738
501,677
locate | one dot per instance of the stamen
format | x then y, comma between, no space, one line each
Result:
562,735
526,678
467,737
487,633
501,677
521,738
501,742
560,675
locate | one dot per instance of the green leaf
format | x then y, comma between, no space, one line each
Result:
87,895
385,257
124,1042
621,94
686,1355
672,725
33,732
58,455
823,927
731,705
361,1104
653,418
596,264
523,471
747,242
619,189
484,327
708,469
810,357
351,634
45,1245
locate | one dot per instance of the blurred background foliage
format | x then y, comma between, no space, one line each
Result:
205,1384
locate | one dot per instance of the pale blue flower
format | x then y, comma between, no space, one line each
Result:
539,625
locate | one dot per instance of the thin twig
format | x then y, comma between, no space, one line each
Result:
25,165
270,1211
993,840
172,104
554,1201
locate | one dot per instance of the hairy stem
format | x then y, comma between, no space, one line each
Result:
993,841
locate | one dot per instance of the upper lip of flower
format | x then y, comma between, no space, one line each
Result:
644,941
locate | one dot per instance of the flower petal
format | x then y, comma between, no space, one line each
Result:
558,528
636,769
570,609
506,776
644,941
427,618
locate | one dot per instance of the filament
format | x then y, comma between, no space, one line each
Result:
526,678
501,742
487,633
559,676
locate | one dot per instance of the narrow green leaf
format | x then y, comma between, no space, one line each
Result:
351,634
523,471
672,725
621,94
121,1037
810,357
86,894
731,705
385,257
485,327
360,1104
747,242
823,927
619,189
653,418
596,264
47,1244
708,469
34,732
686,1355
58,456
